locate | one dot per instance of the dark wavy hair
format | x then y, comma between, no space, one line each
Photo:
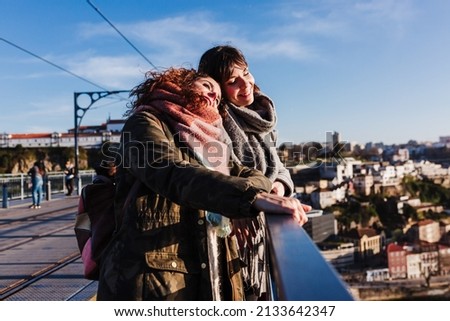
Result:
218,63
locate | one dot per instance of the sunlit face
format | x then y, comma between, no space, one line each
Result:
209,89
239,88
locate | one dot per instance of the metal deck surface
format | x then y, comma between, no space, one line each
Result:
41,259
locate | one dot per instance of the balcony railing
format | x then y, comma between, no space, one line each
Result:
299,271
18,185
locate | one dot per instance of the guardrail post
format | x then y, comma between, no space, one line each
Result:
78,184
23,179
48,190
5,196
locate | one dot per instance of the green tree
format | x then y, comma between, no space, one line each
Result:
410,212
388,212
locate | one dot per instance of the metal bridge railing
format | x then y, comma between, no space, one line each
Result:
299,271
18,186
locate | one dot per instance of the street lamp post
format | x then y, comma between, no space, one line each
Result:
79,112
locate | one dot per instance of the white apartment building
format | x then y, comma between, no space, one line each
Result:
430,262
409,168
60,140
363,184
413,266
322,198
429,231
402,155
430,170
88,137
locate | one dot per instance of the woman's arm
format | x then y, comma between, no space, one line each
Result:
151,155
284,178
283,184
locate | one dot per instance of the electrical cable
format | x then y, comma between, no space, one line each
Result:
128,41
51,63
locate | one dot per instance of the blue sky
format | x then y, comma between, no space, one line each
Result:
374,71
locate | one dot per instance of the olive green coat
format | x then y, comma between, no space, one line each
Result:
161,249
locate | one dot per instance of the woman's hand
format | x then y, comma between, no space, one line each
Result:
278,188
284,205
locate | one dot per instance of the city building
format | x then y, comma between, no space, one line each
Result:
88,137
444,259
397,263
377,275
340,255
363,184
321,227
368,244
413,266
429,231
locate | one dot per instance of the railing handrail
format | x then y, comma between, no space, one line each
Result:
299,271
16,186
53,173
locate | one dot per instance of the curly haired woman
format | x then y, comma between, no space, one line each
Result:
176,190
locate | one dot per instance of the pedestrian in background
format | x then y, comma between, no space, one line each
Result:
69,171
37,173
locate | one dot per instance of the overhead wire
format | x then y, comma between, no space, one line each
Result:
51,63
121,34
72,73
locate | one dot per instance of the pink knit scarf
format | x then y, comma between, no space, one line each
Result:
199,127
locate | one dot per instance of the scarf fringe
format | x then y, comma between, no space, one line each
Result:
213,258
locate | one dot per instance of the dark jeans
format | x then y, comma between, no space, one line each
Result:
69,186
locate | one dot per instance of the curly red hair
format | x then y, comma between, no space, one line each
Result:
181,77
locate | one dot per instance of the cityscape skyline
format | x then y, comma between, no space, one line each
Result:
115,125
374,71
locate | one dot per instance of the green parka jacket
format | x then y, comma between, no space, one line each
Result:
160,251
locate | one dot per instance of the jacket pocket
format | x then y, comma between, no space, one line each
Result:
171,262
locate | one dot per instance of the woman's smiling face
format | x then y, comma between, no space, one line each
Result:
238,89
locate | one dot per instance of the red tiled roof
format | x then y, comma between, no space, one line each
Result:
366,231
394,248
30,136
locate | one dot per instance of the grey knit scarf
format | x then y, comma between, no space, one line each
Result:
249,128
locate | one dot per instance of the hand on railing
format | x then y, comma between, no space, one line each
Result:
282,205
278,188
